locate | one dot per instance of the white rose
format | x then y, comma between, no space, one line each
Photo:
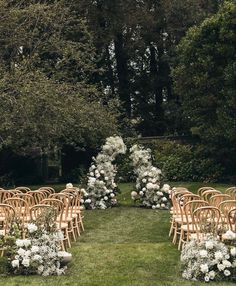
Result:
34,248
226,263
15,263
88,201
106,178
164,199
163,205
32,227
153,207
141,193
221,267
207,278
93,167
20,242
105,198
233,251
81,201
144,180
69,185
21,251
203,253
209,244
158,206
149,186
212,274
91,174
166,188
218,255
204,268
25,262
134,194
112,195
27,242
144,189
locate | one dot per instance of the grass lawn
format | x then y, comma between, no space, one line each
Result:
125,246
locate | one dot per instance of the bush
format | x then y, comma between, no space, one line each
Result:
184,162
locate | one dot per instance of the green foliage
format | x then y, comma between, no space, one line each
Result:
183,162
204,80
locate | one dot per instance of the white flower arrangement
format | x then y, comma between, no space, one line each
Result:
39,254
150,191
208,260
101,187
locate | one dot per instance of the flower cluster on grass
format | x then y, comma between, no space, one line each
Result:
39,253
101,187
150,190
208,260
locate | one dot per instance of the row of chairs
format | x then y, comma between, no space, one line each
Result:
27,206
195,215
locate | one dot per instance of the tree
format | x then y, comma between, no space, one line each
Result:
204,79
47,62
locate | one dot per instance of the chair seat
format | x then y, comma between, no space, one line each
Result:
189,227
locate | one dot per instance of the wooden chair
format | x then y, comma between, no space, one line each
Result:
225,208
232,219
206,220
63,226
50,189
23,189
215,200
206,195
4,194
27,197
21,208
38,196
230,190
187,227
7,215
203,189
77,213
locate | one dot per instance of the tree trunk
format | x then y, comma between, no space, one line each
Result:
122,73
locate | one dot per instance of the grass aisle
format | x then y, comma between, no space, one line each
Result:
125,246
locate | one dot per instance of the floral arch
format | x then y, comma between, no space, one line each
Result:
102,189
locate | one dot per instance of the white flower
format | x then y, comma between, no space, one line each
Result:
27,242
93,167
221,267
230,235
141,193
20,242
164,199
25,262
102,172
21,251
209,244
203,253
15,263
212,274
226,263
34,248
105,198
149,186
233,251
218,255
207,278
158,206
204,268
91,174
69,185
106,178
81,201
36,257
144,180
153,207
112,195
32,227
134,194
144,189
163,205
166,188
227,272
87,201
